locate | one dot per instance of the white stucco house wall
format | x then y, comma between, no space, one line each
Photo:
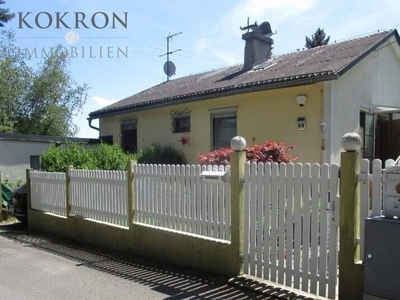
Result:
370,87
19,152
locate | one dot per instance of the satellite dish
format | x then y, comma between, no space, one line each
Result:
169,68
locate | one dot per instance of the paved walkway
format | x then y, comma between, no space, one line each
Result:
47,267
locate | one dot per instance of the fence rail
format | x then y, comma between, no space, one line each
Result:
176,197
290,237
100,195
48,192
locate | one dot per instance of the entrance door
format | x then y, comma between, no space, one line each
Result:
388,146
129,137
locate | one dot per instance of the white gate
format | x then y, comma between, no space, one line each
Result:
291,225
371,191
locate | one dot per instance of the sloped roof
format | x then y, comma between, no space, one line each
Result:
296,68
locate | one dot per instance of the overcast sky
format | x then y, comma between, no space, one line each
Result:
124,60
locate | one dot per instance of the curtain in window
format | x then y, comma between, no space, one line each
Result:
224,129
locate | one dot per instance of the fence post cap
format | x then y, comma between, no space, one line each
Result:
238,143
351,142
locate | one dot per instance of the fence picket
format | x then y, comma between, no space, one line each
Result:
211,206
253,204
333,231
183,219
199,198
192,199
365,187
203,205
246,218
281,222
315,213
221,210
267,221
260,221
306,226
227,201
323,234
289,224
138,191
274,219
376,188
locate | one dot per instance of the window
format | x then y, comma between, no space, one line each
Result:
181,124
107,139
129,136
224,127
180,121
367,130
35,162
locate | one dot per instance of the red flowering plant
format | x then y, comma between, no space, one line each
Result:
216,157
267,152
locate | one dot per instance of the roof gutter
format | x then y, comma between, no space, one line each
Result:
90,124
216,93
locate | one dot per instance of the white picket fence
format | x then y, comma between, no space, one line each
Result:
100,195
175,197
48,192
371,192
289,234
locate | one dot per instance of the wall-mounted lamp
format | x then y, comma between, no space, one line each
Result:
301,100
324,127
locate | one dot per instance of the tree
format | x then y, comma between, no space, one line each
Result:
5,14
41,101
317,39
15,77
52,100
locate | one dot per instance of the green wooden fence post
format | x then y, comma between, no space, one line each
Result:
350,264
237,161
131,195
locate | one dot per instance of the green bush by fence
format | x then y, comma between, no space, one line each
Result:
98,157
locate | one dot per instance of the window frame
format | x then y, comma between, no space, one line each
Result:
221,113
177,128
368,149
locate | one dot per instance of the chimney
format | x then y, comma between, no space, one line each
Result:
258,44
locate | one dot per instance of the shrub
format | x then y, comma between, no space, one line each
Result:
267,152
216,157
157,154
98,157
111,157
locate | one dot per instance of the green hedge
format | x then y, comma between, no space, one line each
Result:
97,157
157,154
105,157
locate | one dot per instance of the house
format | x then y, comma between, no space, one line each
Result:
21,151
308,99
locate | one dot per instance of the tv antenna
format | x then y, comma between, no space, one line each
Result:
169,66
249,26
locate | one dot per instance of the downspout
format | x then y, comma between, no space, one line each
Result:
91,126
